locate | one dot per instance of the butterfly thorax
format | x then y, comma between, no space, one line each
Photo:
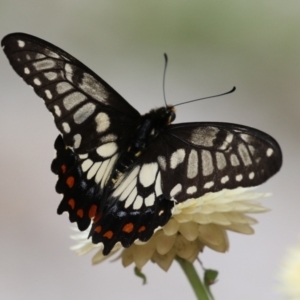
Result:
150,126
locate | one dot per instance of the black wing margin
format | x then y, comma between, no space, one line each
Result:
85,108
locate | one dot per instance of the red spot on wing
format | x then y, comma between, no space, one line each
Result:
128,227
63,169
98,229
70,181
92,211
80,213
141,229
108,234
71,202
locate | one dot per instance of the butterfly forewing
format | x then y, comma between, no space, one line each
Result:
87,111
208,157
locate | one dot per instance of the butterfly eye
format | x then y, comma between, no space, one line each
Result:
172,116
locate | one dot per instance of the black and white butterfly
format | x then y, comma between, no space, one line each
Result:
125,171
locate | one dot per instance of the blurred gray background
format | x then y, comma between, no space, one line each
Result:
212,46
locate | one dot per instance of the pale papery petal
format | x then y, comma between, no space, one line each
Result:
214,237
218,218
164,261
240,228
164,243
171,227
189,230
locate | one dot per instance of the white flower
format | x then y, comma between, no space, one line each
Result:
194,224
290,274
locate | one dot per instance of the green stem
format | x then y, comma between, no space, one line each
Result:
201,292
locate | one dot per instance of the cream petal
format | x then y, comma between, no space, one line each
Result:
189,230
171,227
164,243
164,261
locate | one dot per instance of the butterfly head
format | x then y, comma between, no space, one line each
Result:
165,115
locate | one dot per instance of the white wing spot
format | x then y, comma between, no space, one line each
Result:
158,190
148,173
93,170
36,81
251,175
84,112
50,75
109,138
244,154
57,110
102,121
44,64
69,72
77,140
208,185
204,136
138,202
191,190
63,87
239,177
39,56
66,127
252,149
86,165
207,163
192,167
162,162
107,150
83,156
51,53
176,189
94,88
221,160
234,160
128,190
149,201
26,71
108,169
73,99
177,158
269,152
100,172
48,94
130,198
227,141
28,57
246,137
125,182
21,43
224,179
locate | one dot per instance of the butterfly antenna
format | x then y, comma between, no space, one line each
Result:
229,92
164,78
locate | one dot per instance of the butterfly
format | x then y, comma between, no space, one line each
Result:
121,171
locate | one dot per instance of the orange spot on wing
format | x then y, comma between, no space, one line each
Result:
128,227
63,169
92,211
98,217
79,213
71,202
98,229
141,229
70,181
108,234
